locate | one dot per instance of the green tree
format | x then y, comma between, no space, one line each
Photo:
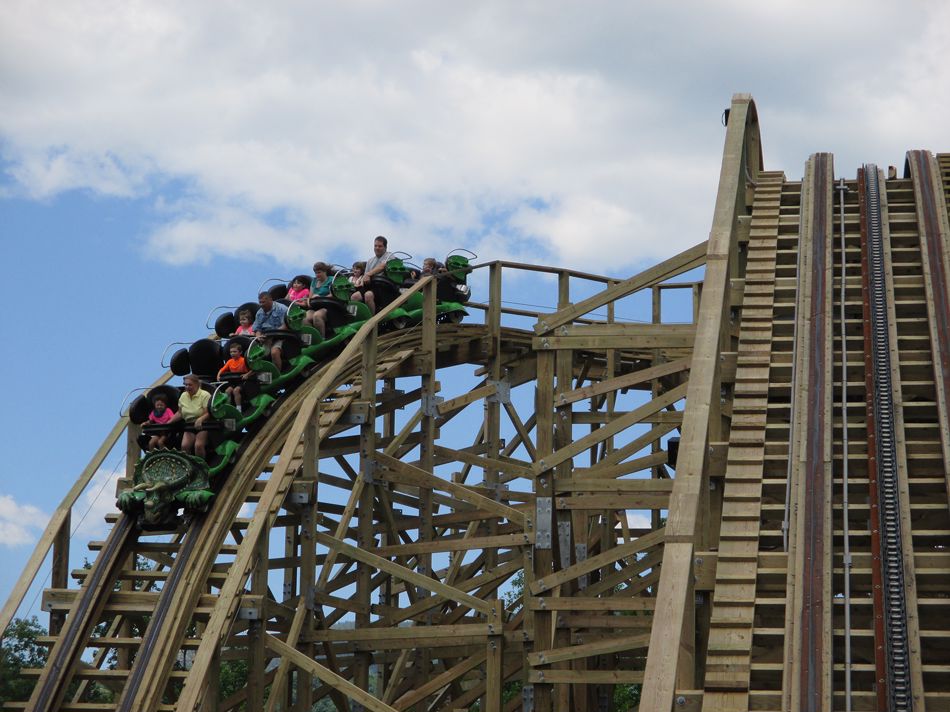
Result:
20,650
233,677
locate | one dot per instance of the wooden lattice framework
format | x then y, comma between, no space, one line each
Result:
550,505
520,537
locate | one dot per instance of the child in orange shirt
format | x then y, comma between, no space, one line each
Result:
237,365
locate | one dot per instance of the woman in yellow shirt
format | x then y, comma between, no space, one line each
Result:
193,410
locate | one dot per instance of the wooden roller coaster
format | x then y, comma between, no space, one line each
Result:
750,511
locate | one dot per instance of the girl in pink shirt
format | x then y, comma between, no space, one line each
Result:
161,415
298,292
244,317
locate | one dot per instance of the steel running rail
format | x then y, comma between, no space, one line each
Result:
896,636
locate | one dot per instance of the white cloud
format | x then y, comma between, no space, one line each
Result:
20,524
292,128
96,501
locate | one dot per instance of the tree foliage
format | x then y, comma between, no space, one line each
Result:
20,650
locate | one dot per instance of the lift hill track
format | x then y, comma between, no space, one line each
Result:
793,557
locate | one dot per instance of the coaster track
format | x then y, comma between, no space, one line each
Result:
788,552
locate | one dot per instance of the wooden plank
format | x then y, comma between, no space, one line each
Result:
590,484
683,262
325,675
403,573
413,475
609,473
439,681
483,462
394,616
599,343
632,330
589,502
501,541
634,446
606,646
610,556
477,393
588,603
622,423
430,632
586,677
522,430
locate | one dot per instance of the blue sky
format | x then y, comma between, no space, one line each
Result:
157,160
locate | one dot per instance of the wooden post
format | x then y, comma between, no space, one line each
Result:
491,435
494,675
545,523
363,659
563,535
59,577
256,661
310,476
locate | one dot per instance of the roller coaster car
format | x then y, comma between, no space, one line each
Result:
293,342
227,323
221,432
164,482
386,285
255,403
451,292
452,289
279,291
141,407
453,283
341,310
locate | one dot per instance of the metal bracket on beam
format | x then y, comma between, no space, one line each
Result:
296,497
249,613
502,392
542,538
356,414
564,542
580,554
430,405
369,471
496,488
387,394
527,698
